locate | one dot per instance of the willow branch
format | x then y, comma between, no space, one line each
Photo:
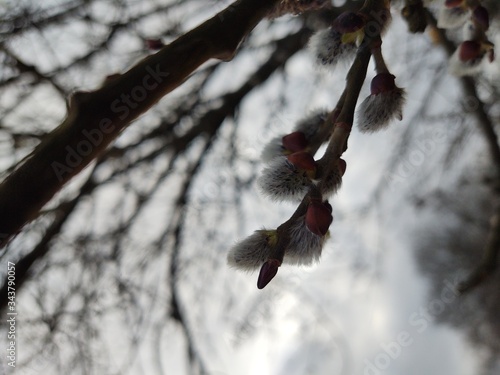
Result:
96,118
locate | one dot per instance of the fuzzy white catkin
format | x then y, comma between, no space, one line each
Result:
451,18
305,247
377,111
249,254
281,180
310,125
272,150
328,50
332,183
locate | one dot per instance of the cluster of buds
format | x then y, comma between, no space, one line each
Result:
307,234
476,49
291,174
291,169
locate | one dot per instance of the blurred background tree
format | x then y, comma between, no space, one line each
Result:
125,269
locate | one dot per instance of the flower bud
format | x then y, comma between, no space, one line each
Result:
294,142
305,247
303,161
329,49
469,57
469,50
154,44
267,272
250,253
349,22
288,178
318,218
383,105
342,166
481,17
382,82
454,3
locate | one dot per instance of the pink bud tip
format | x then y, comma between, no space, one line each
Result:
302,160
342,166
267,272
349,22
453,3
469,50
154,44
295,141
481,17
382,82
318,218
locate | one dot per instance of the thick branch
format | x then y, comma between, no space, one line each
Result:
96,118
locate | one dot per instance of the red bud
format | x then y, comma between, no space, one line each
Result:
295,141
453,3
481,17
154,44
469,50
318,218
382,82
491,55
267,272
349,22
302,160
342,166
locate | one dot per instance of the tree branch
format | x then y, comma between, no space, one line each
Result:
96,118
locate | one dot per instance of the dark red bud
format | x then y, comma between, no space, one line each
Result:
154,44
453,3
491,55
349,22
342,166
318,218
267,272
481,17
382,82
295,141
469,50
302,160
